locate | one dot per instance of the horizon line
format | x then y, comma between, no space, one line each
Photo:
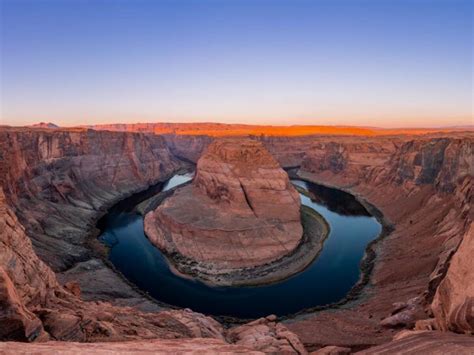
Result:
456,126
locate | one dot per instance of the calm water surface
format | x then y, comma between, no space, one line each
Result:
326,280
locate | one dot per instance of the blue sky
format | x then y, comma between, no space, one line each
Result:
358,62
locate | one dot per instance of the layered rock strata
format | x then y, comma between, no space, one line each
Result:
241,211
59,181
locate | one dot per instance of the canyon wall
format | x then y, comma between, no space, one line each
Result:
453,304
58,181
424,188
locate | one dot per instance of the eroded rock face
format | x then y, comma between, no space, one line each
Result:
241,174
424,187
60,181
16,321
453,304
240,211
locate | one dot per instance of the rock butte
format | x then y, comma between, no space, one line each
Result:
240,211
56,183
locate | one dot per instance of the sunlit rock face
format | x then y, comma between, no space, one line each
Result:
243,175
240,211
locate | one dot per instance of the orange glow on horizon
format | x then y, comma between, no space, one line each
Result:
222,130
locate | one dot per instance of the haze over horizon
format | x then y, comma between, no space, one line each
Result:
387,64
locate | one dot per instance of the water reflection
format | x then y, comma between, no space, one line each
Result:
335,200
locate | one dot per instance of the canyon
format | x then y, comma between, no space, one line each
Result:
55,286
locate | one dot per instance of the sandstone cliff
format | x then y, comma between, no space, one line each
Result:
242,174
59,181
453,304
241,198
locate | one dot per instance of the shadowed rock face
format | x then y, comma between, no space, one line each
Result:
240,211
60,180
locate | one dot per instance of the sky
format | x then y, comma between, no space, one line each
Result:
384,63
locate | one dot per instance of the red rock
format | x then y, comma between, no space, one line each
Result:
424,342
60,181
240,211
421,185
266,335
16,321
73,287
404,314
453,304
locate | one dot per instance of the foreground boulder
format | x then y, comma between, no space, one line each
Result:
266,335
240,211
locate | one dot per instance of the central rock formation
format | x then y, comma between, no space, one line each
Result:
241,211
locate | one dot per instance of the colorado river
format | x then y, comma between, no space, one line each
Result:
328,279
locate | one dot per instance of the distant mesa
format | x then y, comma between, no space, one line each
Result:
240,211
45,125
